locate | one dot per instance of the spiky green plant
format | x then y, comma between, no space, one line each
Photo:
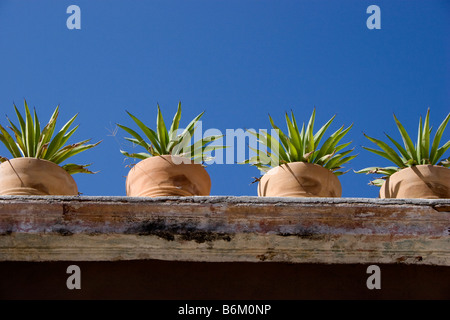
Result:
170,142
424,151
30,141
302,146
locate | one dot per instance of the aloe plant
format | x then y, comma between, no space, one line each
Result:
302,146
425,151
30,141
170,142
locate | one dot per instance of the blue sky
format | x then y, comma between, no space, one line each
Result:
236,60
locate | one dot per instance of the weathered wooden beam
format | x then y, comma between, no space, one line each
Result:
220,228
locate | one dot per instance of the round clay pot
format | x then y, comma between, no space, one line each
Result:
422,181
31,176
167,175
299,179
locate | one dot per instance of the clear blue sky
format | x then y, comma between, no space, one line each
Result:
237,60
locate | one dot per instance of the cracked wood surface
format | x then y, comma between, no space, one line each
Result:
225,229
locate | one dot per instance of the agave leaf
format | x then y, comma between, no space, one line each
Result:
269,158
319,134
294,135
8,141
191,126
325,158
343,161
327,146
400,148
141,143
65,150
68,135
302,147
141,155
46,136
418,144
21,124
149,133
175,123
37,131
445,162
284,142
209,139
303,138
51,125
389,152
200,152
261,138
309,132
335,161
72,168
368,170
185,136
29,127
182,143
377,182
18,141
162,132
262,157
425,139
138,139
251,160
406,140
16,131
76,150
440,152
273,144
382,154
330,144
437,139
71,150
379,170
342,146
56,144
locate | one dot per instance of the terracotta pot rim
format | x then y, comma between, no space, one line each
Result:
51,163
431,166
31,158
424,165
299,162
165,156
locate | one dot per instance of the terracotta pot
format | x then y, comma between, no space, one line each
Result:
167,175
422,181
299,179
31,176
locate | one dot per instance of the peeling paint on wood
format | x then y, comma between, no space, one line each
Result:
309,230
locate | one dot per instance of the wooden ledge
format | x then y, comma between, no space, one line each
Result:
225,229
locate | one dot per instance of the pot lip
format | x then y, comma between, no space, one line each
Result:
425,165
431,166
33,159
168,156
396,174
50,163
275,169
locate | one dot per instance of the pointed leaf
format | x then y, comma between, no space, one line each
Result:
409,147
437,140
